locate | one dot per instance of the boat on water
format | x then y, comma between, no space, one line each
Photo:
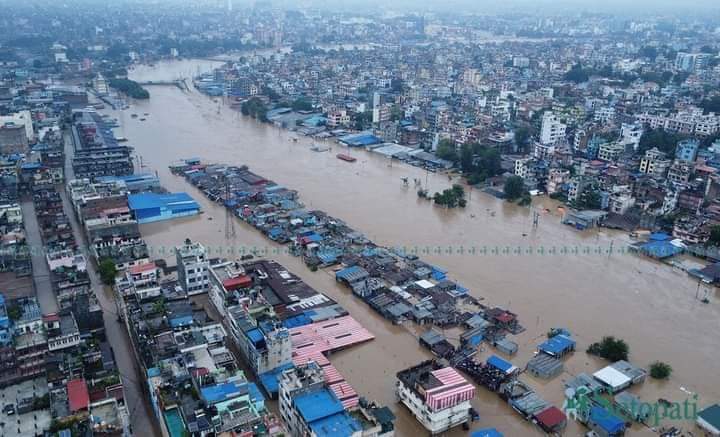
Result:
133,115
121,139
143,119
346,158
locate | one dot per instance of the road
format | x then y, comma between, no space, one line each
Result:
41,273
142,417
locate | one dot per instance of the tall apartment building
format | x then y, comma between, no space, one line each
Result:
193,265
551,130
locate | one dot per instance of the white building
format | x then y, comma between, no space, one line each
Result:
101,85
522,166
439,397
552,130
193,265
610,151
654,163
21,118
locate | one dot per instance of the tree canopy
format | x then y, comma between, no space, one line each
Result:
446,149
665,141
611,348
514,187
107,271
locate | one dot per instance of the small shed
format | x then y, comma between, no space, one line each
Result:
604,423
551,419
545,366
557,346
613,379
506,346
472,337
504,366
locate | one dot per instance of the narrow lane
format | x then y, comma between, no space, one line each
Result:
41,272
141,414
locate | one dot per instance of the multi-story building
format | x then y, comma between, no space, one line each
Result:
552,129
439,397
193,265
654,163
557,178
13,139
308,407
687,150
610,151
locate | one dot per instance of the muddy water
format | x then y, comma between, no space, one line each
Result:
535,272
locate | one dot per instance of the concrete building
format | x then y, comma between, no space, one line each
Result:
551,130
309,408
20,118
654,163
687,150
610,151
193,265
13,139
439,397
100,85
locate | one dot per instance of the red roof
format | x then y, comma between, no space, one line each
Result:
242,281
52,317
78,395
505,317
140,268
551,417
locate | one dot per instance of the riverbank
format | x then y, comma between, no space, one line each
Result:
591,294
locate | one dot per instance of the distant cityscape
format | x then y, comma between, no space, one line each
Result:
609,121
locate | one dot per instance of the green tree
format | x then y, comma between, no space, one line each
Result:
714,239
108,271
514,187
611,348
302,104
577,74
660,370
362,120
665,141
522,135
446,149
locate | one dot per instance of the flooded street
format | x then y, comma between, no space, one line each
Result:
551,276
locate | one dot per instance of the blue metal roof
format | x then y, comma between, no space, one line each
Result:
153,200
301,319
255,335
602,418
499,363
317,405
557,345
221,392
269,379
487,432
340,424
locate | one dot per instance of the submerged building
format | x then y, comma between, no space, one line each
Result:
439,397
152,207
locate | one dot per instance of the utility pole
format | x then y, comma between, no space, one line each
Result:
229,219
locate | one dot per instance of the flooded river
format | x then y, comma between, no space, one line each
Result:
491,247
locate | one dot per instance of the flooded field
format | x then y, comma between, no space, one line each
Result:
551,275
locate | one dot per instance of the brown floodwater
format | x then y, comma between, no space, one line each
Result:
535,272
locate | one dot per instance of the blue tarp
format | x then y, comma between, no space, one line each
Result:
499,363
255,336
269,379
487,432
340,424
602,418
220,392
301,319
557,345
317,405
